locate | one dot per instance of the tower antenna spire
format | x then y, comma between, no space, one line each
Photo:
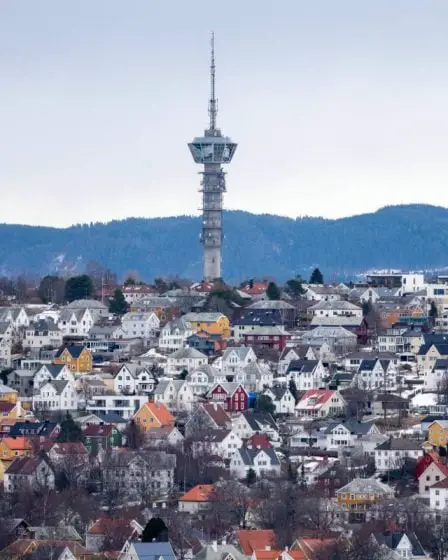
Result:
213,103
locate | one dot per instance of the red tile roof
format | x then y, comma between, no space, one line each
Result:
255,539
259,441
161,412
107,526
18,443
200,493
322,396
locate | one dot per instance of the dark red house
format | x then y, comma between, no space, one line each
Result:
232,396
267,337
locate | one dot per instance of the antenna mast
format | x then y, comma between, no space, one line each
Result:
213,103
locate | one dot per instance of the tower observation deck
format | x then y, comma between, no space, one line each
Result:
212,151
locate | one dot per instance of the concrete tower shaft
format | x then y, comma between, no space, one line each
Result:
212,150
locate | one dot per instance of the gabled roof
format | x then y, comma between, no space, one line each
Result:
352,425
367,365
302,366
249,454
212,436
33,428
271,304
86,304
217,414
241,351
108,526
24,466
399,444
365,485
199,493
53,369
278,391
161,412
229,388
17,443
205,317
319,396
70,448
187,352
75,351
257,420
442,348
392,541
255,539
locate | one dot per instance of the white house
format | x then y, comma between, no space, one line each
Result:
436,379
291,354
236,358
261,461
250,422
121,405
56,395
307,374
185,359
42,333
34,472
16,316
255,377
315,292
133,378
438,495
202,379
335,308
320,403
392,454
175,394
50,372
222,443
374,374
282,399
347,433
75,321
434,473
140,325
174,335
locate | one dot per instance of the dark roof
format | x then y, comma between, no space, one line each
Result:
433,417
302,366
33,429
248,455
259,317
111,418
353,425
392,540
257,420
367,365
278,391
98,430
53,369
442,348
399,444
24,465
75,350
217,414
441,364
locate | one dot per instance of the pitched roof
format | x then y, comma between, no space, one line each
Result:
217,414
271,304
24,465
257,420
75,350
98,430
399,444
365,485
70,448
302,366
154,551
33,428
107,525
17,443
187,352
240,351
249,454
161,412
259,441
319,398
255,539
199,493
53,369
392,540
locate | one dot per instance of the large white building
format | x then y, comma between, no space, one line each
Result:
42,333
140,325
174,334
187,359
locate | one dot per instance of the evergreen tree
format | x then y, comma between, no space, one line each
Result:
118,304
273,291
70,431
367,307
51,289
316,277
251,477
155,531
295,287
264,404
78,287
433,310
293,389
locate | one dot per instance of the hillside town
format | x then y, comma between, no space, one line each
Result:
203,421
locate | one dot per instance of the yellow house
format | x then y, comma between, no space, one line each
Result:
153,415
7,394
438,433
361,493
209,322
10,409
78,358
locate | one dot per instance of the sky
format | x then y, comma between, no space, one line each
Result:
338,107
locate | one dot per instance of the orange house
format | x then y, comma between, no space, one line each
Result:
78,358
153,415
13,447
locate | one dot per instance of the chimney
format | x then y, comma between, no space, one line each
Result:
215,546
267,547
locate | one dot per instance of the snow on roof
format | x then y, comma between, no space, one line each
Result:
424,399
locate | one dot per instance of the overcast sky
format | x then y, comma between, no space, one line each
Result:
338,107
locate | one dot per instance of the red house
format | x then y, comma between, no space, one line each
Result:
424,462
267,337
233,397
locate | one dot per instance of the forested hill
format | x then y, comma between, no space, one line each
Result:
410,236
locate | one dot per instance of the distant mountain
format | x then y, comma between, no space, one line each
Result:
409,236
